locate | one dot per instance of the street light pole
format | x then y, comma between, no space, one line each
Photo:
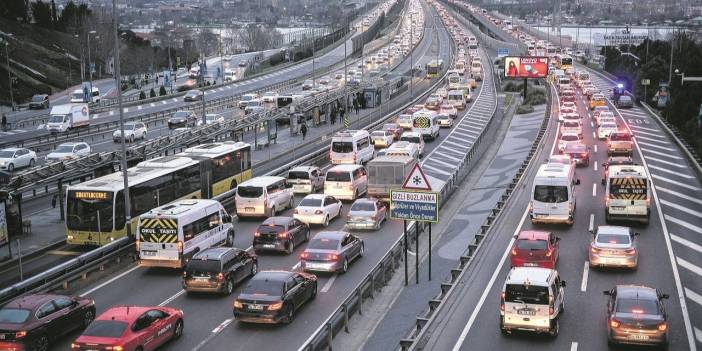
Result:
90,66
221,59
411,52
9,74
123,163
346,77
670,67
314,32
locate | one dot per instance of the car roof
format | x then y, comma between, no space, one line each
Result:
277,220
533,275
12,149
613,229
576,146
123,313
365,200
636,292
74,143
315,196
336,235
275,276
213,253
30,301
303,168
533,235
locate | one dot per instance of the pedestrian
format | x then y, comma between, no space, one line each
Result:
303,130
355,106
4,121
53,201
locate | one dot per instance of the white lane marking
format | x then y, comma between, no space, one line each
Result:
693,296
163,102
685,242
574,346
594,136
592,124
687,225
595,148
170,299
125,110
645,128
109,281
222,325
139,107
648,133
112,112
666,162
328,284
434,169
594,189
671,172
175,100
449,165
583,283
658,140
698,214
668,155
411,252
152,104
476,310
690,267
698,334
648,144
594,165
667,180
680,195
591,227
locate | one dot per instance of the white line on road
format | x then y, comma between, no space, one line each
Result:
170,299
175,100
698,335
698,214
139,107
666,162
687,225
648,144
152,104
667,180
222,325
109,281
574,346
586,272
645,128
591,226
685,242
297,265
163,102
592,124
671,172
411,252
680,195
594,166
594,189
594,136
665,154
691,267
328,284
655,140
595,147
693,296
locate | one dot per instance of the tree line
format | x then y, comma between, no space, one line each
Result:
45,14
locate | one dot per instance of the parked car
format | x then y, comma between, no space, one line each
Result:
13,158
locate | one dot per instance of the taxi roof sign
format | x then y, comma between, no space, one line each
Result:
416,179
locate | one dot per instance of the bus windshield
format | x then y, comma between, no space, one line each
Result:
551,193
89,210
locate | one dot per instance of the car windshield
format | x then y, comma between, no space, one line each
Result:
531,294
323,244
249,191
378,133
551,193
603,238
411,139
569,137
37,98
6,154
14,315
637,306
64,148
310,202
263,286
342,146
576,148
619,137
570,124
338,176
203,266
56,118
180,114
363,206
106,329
527,244
608,126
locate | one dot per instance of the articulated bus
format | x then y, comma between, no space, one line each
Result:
95,209
434,67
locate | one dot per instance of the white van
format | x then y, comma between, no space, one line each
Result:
476,70
194,72
169,235
263,197
457,99
532,299
77,96
401,148
552,195
351,146
346,182
306,179
229,75
628,194
426,124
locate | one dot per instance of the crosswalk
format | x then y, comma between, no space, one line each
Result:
679,192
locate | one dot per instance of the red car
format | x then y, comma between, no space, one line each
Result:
535,249
131,328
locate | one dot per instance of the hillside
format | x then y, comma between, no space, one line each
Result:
39,58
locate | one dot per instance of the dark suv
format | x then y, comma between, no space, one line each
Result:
32,322
280,234
218,269
182,119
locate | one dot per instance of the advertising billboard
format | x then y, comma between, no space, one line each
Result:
526,67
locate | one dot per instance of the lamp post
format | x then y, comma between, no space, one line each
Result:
82,63
221,59
411,54
90,65
9,74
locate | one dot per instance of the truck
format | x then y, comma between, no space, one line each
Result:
65,117
387,172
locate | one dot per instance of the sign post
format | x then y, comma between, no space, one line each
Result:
415,202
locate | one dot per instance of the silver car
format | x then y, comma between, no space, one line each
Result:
366,214
331,252
613,246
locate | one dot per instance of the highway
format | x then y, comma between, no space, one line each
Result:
669,250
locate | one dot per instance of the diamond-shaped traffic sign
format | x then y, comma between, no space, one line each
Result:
416,179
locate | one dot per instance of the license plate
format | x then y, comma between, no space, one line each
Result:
526,312
638,337
338,186
148,253
269,246
249,209
256,307
531,264
618,208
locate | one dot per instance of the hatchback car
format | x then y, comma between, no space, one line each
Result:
382,138
444,121
280,234
535,249
274,296
317,209
218,269
331,252
33,322
39,101
636,315
69,151
366,214
13,158
613,246
193,95
132,131
579,153
128,328
182,119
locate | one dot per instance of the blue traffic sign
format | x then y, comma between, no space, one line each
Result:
414,205
502,52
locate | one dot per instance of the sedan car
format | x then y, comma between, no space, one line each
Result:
613,246
307,84
218,269
567,111
535,249
132,131
246,99
214,118
12,158
448,109
444,121
274,297
366,214
636,315
395,129
193,95
33,322
567,138
579,153
331,252
433,102
39,101
605,129
382,138
128,328
69,151
182,119
317,208
280,234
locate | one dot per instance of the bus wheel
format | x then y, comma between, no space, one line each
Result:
230,239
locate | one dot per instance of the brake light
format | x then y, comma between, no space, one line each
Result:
637,311
614,323
663,326
551,310
295,211
180,246
257,234
115,348
265,203
20,334
502,301
318,212
514,252
549,253
354,156
630,251
304,255
220,276
333,257
283,235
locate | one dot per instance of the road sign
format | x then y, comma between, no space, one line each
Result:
416,180
645,82
414,206
502,52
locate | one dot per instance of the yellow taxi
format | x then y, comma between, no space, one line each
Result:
473,83
596,100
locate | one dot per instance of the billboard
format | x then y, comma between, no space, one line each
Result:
526,67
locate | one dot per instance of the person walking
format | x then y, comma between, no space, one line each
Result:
303,130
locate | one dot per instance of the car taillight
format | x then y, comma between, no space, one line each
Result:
333,257
551,310
115,348
514,252
614,323
185,274
283,235
257,234
318,212
304,255
630,251
75,346
238,304
549,253
220,276
180,246
354,156
583,155
20,334
663,326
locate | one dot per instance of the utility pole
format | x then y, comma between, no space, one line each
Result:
346,77
221,59
411,52
314,31
670,67
9,74
123,163
90,66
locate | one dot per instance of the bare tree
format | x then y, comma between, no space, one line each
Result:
257,38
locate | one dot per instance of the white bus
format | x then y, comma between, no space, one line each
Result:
351,146
425,123
171,234
552,195
628,194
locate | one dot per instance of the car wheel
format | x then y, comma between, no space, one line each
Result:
290,203
178,331
131,138
554,328
290,247
42,344
10,167
32,162
289,314
254,269
230,239
326,221
363,249
307,235
139,348
345,266
314,292
88,318
273,211
229,287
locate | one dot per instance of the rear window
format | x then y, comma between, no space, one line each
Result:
14,315
249,191
271,229
411,139
530,294
568,137
203,266
342,146
637,306
569,124
378,133
526,244
298,175
323,244
363,206
619,137
551,193
613,239
309,202
106,329
263,286
338,176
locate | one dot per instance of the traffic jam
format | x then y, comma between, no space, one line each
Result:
313,225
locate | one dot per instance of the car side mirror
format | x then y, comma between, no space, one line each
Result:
606,292
665,296
563,283
577,182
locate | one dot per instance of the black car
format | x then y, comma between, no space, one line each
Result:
636,315
615,161
625,101
193,95
274,296
182,119
280,234
218,269
39,101
32,322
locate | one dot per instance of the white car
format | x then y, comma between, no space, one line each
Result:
13,158
132,131
269,96
567,138
317,209
405,121
382,138
605,129
416,138
69,151
567,112
212,118
444,121
307,84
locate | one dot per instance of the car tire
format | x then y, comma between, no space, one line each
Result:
10,168
131,139
254,269
273,211
363,249
290,247
345,266
554,328
32,162
326,221
291,203
178,331
41,343
289,314
88,317
229,287
307,235
229,241
314,292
